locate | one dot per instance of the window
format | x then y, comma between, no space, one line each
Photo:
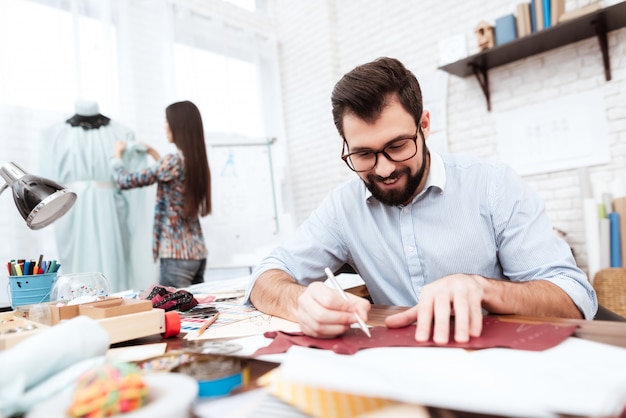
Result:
225,89
46,64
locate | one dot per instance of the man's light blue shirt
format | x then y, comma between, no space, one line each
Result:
473,216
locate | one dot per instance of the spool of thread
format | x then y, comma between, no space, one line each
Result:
217,375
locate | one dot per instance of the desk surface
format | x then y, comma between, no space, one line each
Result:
607,332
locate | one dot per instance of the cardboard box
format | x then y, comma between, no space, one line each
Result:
114,307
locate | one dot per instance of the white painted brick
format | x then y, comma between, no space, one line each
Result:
362,33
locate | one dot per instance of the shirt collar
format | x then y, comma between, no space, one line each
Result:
437,172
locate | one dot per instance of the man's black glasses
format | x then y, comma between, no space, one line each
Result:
398,150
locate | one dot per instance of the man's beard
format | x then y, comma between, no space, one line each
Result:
398,197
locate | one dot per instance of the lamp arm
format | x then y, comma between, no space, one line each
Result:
3,188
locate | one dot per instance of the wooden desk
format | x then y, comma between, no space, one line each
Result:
613,333
607,332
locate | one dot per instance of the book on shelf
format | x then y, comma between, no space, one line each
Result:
506,30
619,206
547,20
611,233
557,8
538,7
581,11
523,20
533,16
615,239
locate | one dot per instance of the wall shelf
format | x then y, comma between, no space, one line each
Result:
597,23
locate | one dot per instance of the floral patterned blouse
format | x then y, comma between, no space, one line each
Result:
173,236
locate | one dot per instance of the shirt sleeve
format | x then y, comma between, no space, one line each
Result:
527,247
164,170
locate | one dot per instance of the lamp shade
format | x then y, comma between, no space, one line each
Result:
40,201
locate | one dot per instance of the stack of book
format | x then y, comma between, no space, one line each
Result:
544,13
605,232
534,16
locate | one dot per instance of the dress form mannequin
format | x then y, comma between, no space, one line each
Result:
107,230
86,108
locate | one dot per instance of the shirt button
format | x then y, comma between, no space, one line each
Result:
406,210
410,249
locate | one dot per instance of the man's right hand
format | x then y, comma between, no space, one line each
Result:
319,309
323,313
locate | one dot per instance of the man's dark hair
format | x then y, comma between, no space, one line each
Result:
365,91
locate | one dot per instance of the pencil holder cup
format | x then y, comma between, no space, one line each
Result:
30,289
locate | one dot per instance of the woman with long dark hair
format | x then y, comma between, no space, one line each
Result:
183,195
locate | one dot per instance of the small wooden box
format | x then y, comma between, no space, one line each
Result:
8,321
58,311
120,328
114,307
134,325
61,312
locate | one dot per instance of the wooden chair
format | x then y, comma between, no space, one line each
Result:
610,286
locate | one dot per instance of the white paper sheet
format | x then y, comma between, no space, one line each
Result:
218,287
255,325
577,377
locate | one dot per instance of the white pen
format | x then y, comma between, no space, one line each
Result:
333,280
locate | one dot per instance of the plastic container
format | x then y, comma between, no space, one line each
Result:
31,289
80,287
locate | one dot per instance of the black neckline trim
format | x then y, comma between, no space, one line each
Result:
88,122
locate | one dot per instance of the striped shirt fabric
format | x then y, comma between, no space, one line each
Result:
474,216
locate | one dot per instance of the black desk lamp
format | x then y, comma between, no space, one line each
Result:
40,201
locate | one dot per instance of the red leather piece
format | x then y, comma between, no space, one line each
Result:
533,337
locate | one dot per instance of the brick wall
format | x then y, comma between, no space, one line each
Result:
321,40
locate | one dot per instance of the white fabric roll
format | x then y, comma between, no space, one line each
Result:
45,354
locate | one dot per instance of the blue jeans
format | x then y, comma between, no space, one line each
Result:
181,273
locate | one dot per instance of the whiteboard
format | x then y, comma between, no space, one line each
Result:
561,134
244,215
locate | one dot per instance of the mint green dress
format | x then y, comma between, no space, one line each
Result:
107,230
